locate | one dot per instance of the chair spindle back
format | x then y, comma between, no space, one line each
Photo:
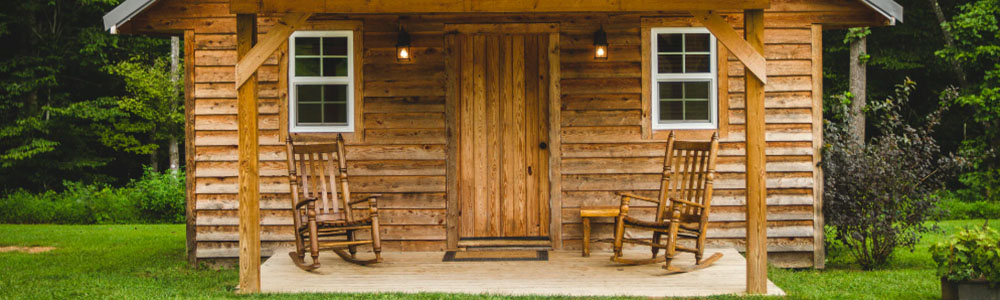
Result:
320,171
688,173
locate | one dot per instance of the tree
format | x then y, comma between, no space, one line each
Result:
59,59
976,31
149,115
858,39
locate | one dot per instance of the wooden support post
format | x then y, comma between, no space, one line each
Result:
756,191
249,181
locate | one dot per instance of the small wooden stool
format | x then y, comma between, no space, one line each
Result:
588,212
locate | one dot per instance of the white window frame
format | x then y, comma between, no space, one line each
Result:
294,81
657,77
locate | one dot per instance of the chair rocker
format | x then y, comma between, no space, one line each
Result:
324,217
682,207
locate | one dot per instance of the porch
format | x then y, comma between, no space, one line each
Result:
565,273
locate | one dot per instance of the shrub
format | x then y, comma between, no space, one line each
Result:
876,194
154,198
970,254
956,207
160,196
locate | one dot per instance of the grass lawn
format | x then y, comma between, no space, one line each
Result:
147,261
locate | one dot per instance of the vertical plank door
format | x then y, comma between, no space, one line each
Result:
502,124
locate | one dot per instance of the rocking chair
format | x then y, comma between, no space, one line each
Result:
324,218
682,207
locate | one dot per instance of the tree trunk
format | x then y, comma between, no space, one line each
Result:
858,87
956,67
153,163
174,77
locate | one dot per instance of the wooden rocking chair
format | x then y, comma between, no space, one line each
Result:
682,206
324,219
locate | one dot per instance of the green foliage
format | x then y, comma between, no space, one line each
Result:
970,254
155,198
977,46
876,195
956,207
57,55
160,196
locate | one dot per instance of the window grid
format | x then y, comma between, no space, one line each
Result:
683,77
322,80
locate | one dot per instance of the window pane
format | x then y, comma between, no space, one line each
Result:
669,42
335,113
334,67
696,42
335,46
306,46
696,110
307,67
309,93
310,113
671,110
671,90
335,93
698,64
669,64
698,90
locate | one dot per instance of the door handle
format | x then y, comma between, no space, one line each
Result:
543,145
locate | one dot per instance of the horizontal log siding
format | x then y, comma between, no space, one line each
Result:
403,154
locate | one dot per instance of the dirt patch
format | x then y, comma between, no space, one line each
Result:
26,249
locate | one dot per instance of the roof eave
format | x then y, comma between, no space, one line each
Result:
889,9
123,13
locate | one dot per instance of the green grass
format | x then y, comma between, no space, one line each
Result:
148,261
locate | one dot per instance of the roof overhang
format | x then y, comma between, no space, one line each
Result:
124,12
887,8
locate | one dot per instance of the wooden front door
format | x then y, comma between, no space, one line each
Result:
500,83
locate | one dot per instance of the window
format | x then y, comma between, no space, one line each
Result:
321,81
683,66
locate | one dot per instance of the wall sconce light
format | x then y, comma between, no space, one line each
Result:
601,44
403,53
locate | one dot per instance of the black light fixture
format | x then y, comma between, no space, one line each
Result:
403,53
601,44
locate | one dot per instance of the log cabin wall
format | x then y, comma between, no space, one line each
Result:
401,150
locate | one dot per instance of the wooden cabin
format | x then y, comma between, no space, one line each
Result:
572,102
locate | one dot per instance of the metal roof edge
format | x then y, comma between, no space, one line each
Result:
887,8
123,12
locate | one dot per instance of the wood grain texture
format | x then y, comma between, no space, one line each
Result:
819,253
249,185
756,176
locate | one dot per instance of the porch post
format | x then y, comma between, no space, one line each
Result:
756,189
249,184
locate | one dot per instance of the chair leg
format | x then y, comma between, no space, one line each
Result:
314,242
656,241
619,239
352,249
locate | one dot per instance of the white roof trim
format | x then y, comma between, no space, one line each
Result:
887,8
124,12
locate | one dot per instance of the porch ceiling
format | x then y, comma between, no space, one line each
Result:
565,273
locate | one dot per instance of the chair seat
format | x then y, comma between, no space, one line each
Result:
665,225
334,224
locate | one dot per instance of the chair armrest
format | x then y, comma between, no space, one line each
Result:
686,202
304,202
365,199
634,196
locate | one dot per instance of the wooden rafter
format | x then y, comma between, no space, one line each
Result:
485,6
751,58
268,44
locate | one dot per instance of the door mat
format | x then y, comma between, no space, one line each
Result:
497,255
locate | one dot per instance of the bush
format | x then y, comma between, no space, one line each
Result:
154,198
160,196
970,254
955,207
877,194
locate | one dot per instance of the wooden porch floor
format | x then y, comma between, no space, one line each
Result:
565,273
